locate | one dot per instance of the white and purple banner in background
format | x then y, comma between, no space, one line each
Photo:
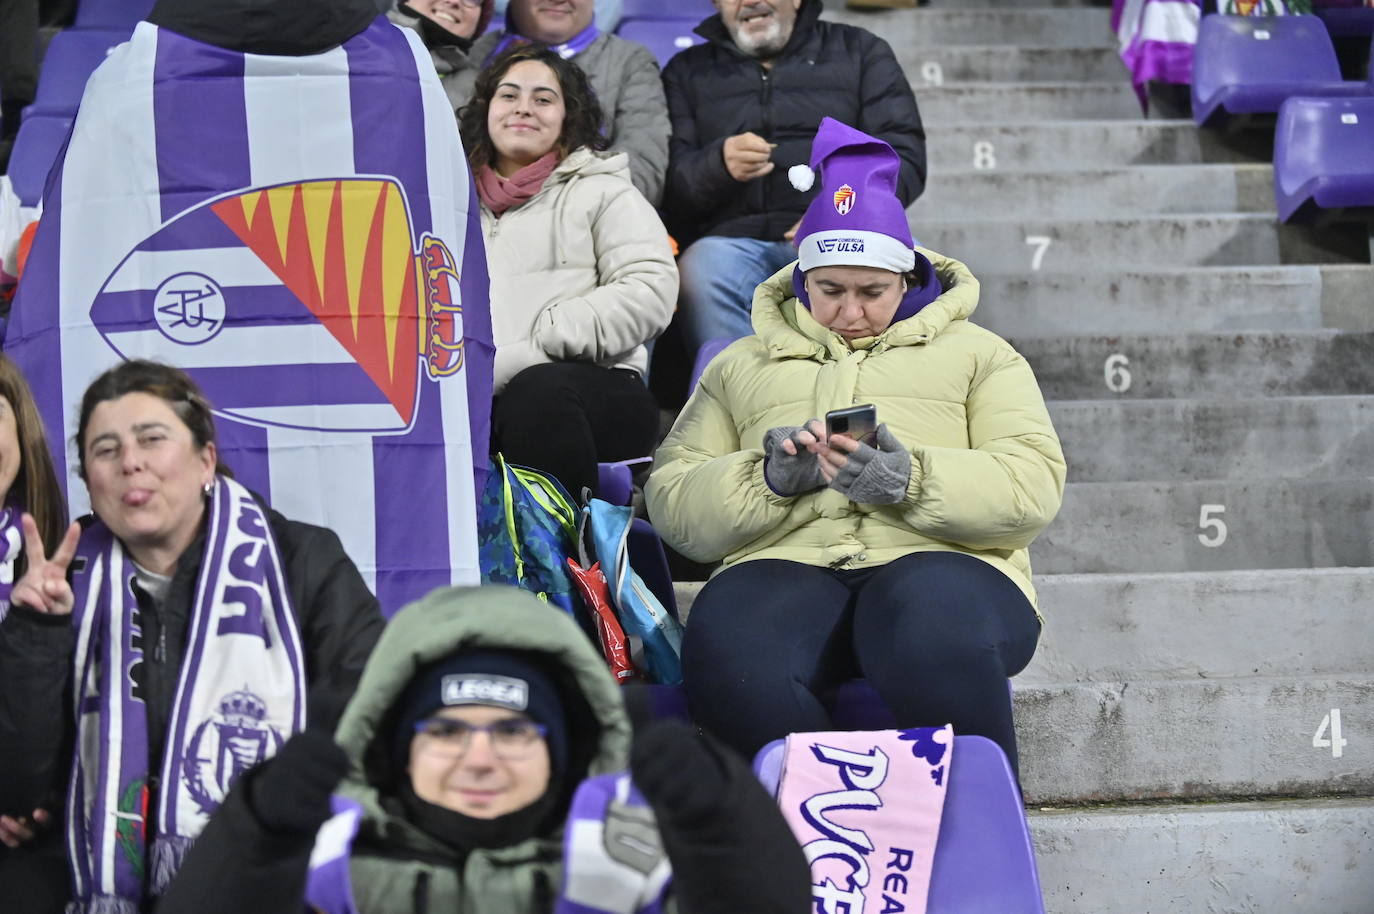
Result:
1155,39
301,235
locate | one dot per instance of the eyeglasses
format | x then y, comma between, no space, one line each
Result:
512,739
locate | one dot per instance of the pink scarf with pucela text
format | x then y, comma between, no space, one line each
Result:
866,808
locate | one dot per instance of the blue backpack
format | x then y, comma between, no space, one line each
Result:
526,531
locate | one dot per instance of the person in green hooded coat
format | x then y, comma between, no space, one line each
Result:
479,714
902,560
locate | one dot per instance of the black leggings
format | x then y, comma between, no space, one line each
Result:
565,417
936,634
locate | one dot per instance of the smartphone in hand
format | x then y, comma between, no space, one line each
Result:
857,422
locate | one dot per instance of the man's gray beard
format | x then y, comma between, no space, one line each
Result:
769,44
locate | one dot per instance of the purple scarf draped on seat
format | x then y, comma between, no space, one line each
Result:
240,695
573,46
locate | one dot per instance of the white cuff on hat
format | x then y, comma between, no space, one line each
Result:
846,248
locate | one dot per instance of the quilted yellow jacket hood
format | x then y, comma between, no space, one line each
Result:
987,472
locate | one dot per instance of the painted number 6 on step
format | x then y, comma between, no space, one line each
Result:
1115,373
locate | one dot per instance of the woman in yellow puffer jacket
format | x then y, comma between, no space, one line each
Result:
903,561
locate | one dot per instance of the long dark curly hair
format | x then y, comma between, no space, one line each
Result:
581,120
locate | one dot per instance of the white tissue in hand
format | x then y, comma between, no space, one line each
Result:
802,177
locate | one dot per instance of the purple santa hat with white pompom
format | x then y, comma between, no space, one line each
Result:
857,219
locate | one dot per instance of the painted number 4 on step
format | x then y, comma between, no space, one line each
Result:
1328,735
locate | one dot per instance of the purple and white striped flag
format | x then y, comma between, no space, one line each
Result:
301,234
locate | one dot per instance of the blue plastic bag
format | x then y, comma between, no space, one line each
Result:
639,611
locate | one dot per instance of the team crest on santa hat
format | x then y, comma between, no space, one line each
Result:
844,199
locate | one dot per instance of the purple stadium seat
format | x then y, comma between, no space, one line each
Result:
111,14
1345,18
72,56
663,36
708,351
1324,156
615,481
659,9
1249,65
36,150
984,861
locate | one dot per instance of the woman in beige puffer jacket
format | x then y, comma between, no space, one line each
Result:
904,562
582,272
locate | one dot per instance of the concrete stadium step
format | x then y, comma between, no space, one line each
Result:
1073,145
1024,305
1170,739
1160,440
1293,857
1192,626
1024,246
1167,526
946,64
1022,101
1100,193
938,27
1163,366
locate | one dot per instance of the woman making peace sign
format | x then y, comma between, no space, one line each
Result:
185,626
32,512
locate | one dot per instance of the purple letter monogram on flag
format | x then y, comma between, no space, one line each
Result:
301,235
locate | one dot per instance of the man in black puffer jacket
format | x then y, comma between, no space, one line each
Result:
744,108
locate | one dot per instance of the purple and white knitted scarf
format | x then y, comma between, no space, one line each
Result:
11,546
570,48
613,858
240,695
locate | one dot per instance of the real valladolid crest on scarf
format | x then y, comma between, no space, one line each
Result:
240,695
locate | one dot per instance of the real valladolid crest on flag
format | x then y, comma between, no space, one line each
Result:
301,235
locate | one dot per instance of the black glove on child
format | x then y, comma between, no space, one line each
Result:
730,848
290,792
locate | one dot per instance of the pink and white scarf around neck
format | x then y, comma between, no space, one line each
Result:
866,808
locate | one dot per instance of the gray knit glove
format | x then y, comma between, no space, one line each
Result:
875,476
790,474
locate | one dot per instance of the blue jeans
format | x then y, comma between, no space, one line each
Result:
718,279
